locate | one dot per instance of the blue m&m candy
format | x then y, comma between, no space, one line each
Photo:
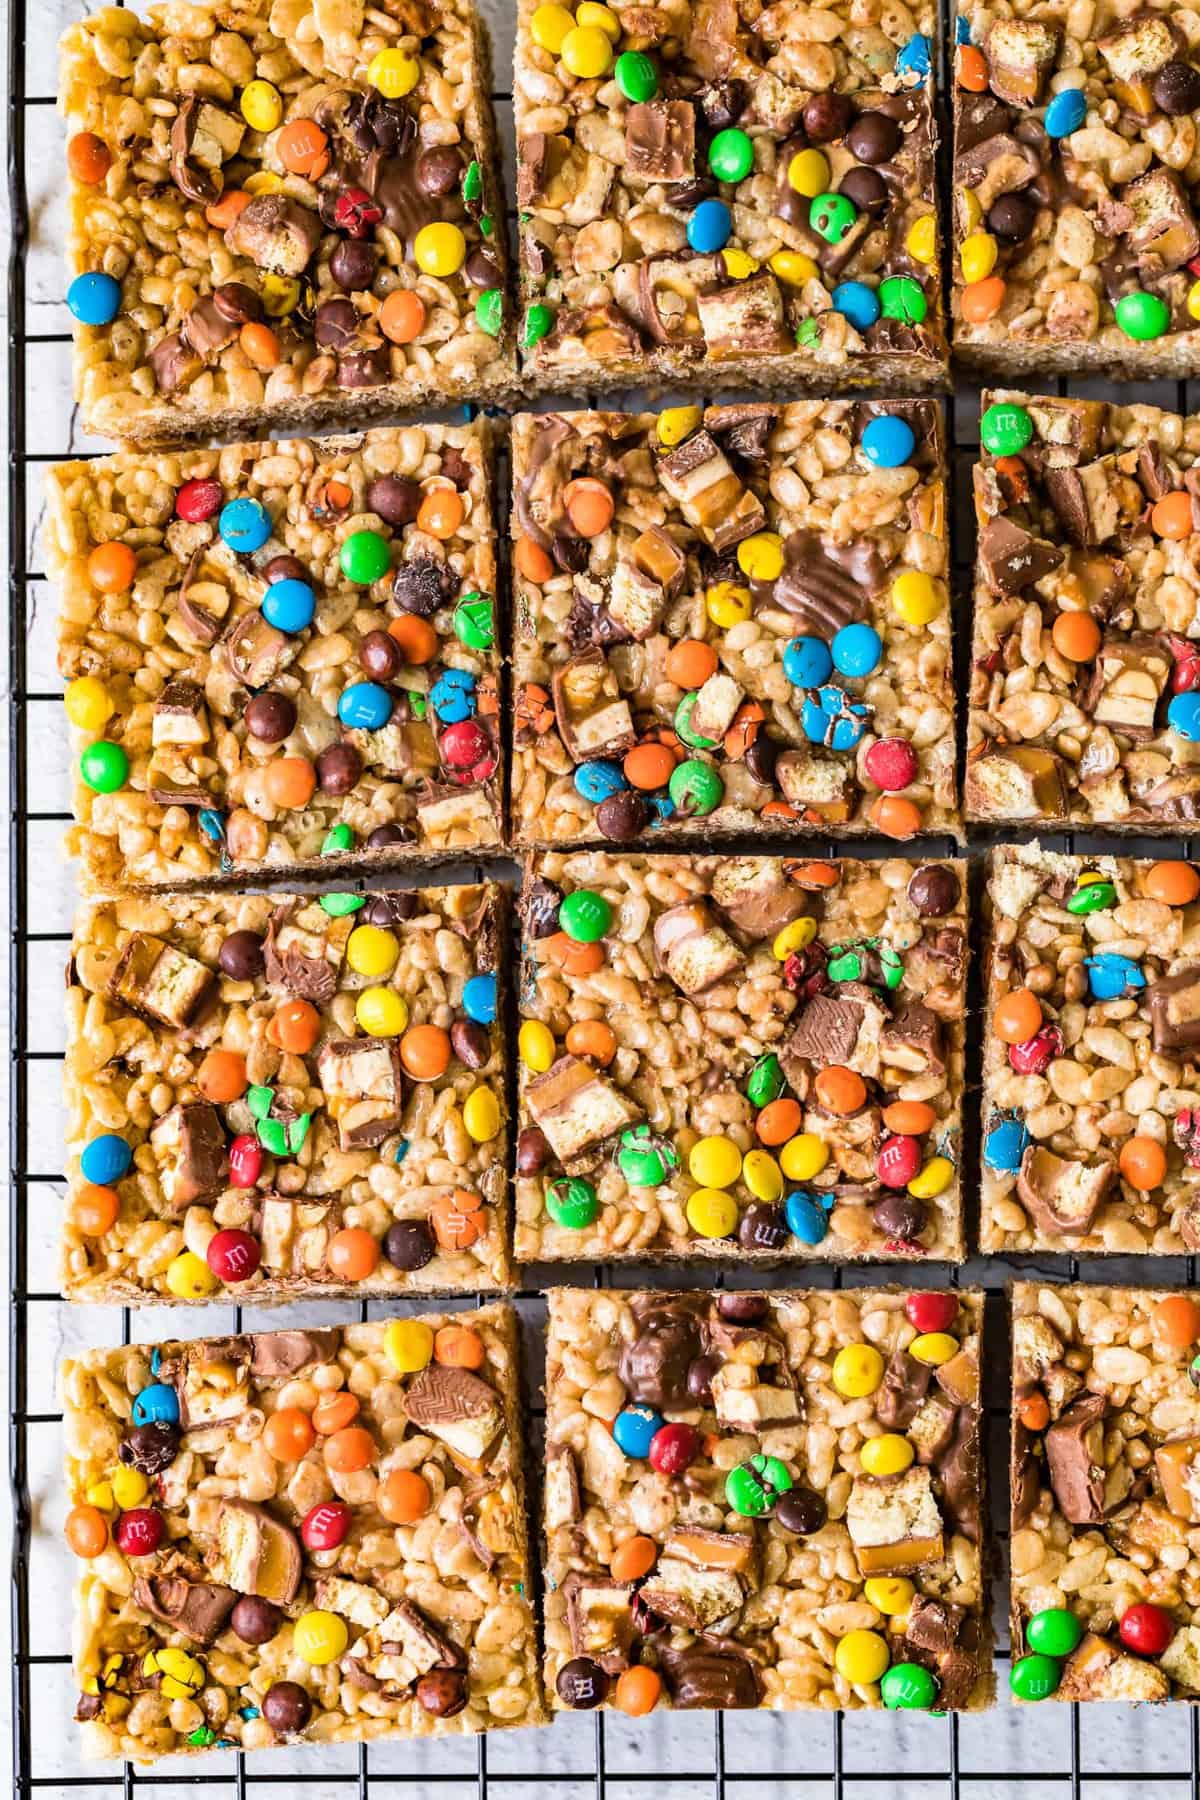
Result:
156,1404
1066,113
1005,1145
479,999
245,525
888,441
962,30
289,605
94,299
857,651
453,696
105,1159
709,227
634,1428
364,706
807,662
597,780
856,302
807,1216
914,57
1183,716
831,718
1112,976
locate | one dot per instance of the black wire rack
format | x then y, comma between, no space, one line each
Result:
691,1756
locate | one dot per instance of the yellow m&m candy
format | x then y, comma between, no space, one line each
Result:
761,557
319,1638
861,1657
978,256
676,423
89,704
372,951
892,1595
857,1371
921,242
439,249
727,605
793,937
535,1042
381,1012
760,1172
793,267
550,25
715,1162
262,105
934,1347
587,52
803,1156
409,1345
711,1213
890,1454
481,1115
190,1278
915,597
393,73
808,173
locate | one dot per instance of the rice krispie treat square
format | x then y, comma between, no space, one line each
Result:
765,1500
1085,684
300,1537
739,1058
1091,1061
732,618
286,1097
722,191
1075,188
281,211
1104,1486
279,656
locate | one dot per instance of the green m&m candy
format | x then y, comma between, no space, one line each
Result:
636,76
907,1687
900,297
696,789
572,1202
1053,1632
340,906
683,724
644,1159
753,1487
475,621
538,321
765,1081
731,155
1034,1677
104,766
1093,894
489,311
364,557
340,838
585,916
1143,315
832,216
1005,430
472,182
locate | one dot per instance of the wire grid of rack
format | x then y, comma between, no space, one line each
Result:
690,1756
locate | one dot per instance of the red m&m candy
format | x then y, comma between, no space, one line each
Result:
892,764
198,500
673,1448
139,1531
325,1526
245,1161
898,1161
1146,1629
931,1312
233,1255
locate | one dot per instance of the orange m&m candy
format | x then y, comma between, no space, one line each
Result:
352,1254
416,637
223,212
295,1027
1143,1163
840,1091
779,1120
402,316
1076,636
303,149
349,1450
95,1209
260,345
403,1497
458,1219
633,1559
572,957
982,300
593,1038
88,158
1171,517
1017,1016
637,1690
425,1052
288,1434
458,1347
972,69
86,1530
648,766
1174,883
590,506
909,1118
895,816
112,567
532,561
1034,1412
335,1412
1176,1321
222,1076
690,662
441,512
290,782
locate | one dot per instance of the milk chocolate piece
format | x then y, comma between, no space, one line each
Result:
189,1145
694,950
458,1408
1075,1460
197,1609
700,479
1014,559
256,1553
594,719
160,983
578,1108
1062,1195
363,1080
660,140
1175,1010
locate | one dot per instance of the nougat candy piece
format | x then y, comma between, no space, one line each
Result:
694,949
1177,1464
1012,782
1012,558
744,1403
189,1145
563,1501
744,319
1127,681
419,1641
1061,1194
636,601
363,1082
695,1598
600,1619
593,716
1075,1461
303,950
1068,429
159,983
256,1553
578,1108
1161,221
845,1026
717,700
823,786
1140,46
1175,1010
295,1235
895,1522
756,895
180,716
257,651
699,477
214,1384
469,810
1094,501
1181,1658
1020,54
1098,1670
352,1600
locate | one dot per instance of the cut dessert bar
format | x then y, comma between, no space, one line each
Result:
722,191
280,656
300,1537
1075,188
1092,1055
1105,1478
280,213
740,1058
765,1500
288,1097
732,619
1084,702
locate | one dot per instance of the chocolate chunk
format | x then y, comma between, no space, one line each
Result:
756,896
409,1244
480,271
456,1407
276,234
743,430
189,1143
874,138
422,586
564,1502
419,1639
257,652
286,1707
206,328
151,1448
385,837
256,1553
1075,1460
443,1692
1014,559
582,1684
724,102
934,890
158,982
270,717
256,1620
282,1354
600,1619
914,1041
241,955
539,904
1061,1195
761,759
174,363
660,140
202,136
707,1677
654,1364
363,1083
593,716
88,1706
699,478
902,1392
826,1031
1175,1009
287,965
390,907
959,1471
198,1609
827,586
